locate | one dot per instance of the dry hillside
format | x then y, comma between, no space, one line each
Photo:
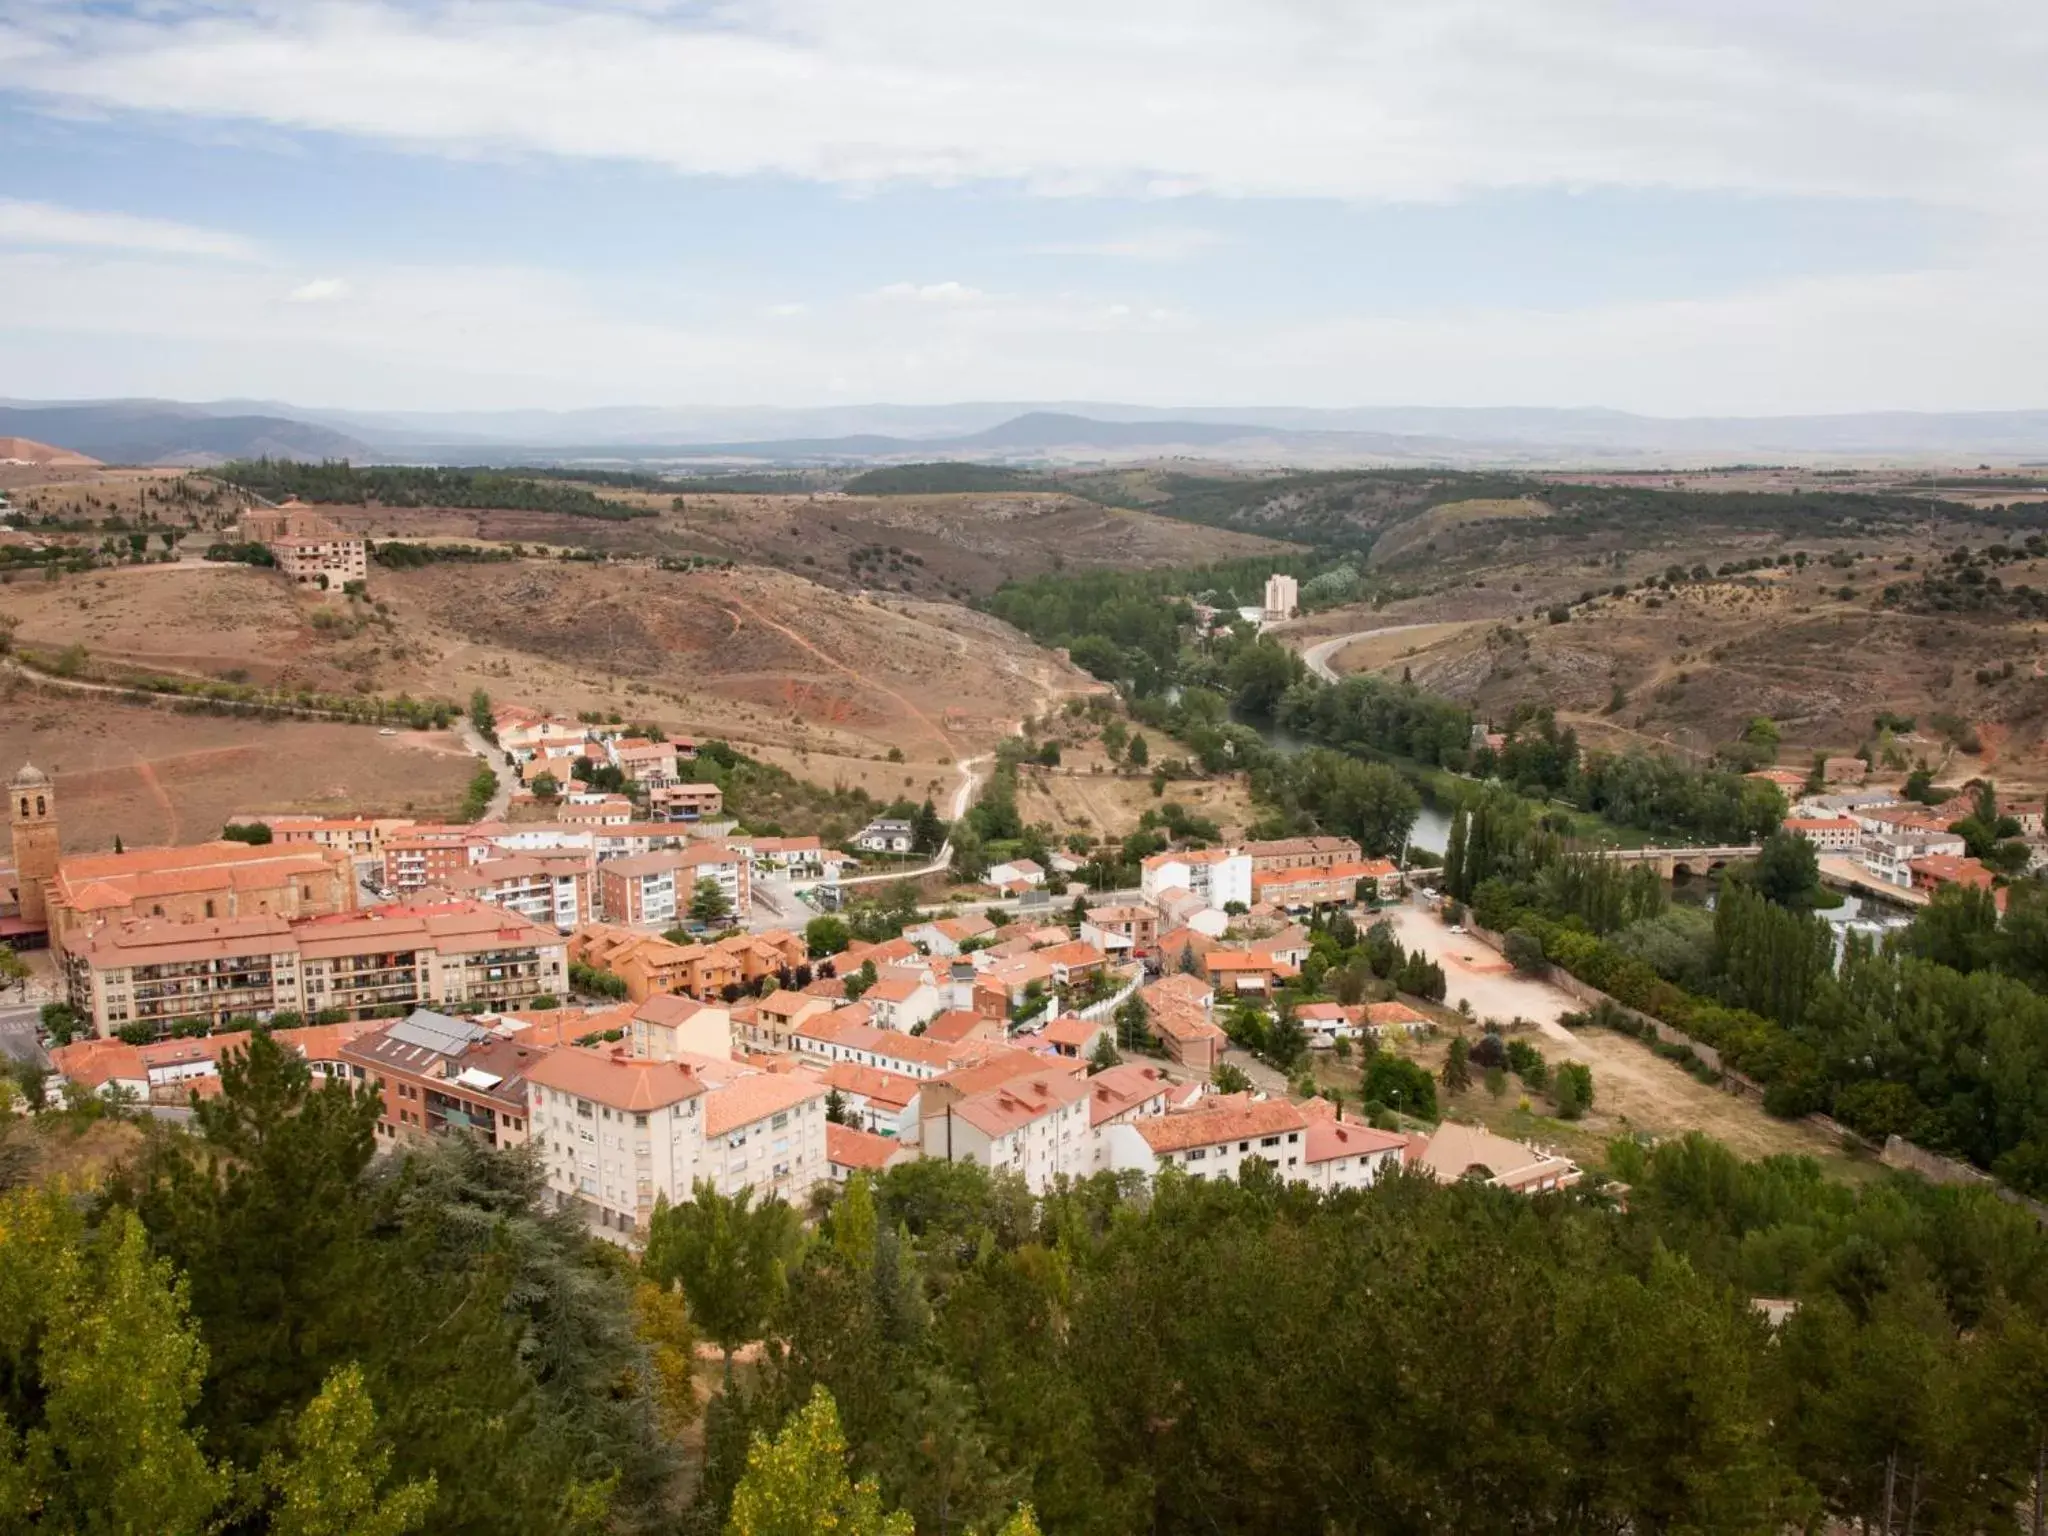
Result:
152,775
956,546
1690,667
827,682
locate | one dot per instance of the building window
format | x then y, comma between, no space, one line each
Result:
1195,1155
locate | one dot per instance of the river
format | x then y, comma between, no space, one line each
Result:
1432,829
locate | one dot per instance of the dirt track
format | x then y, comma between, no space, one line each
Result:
1634,1089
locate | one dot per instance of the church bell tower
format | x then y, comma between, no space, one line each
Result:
32,815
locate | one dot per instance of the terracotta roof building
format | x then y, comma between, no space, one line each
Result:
215,881
438,1074
160,973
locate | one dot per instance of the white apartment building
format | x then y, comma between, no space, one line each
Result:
1215,876
902,1002
550,888
875,1100
1828,834
1889,855
1349,1154
1120,1095
766,1132
1215,1142
1037,1126
1283,598
830,1039
615,1133
671,1027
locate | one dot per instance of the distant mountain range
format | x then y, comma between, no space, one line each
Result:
164,432
171,432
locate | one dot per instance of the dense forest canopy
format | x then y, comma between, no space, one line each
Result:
260,1327
1350,508
942,478
338,482
1255,1358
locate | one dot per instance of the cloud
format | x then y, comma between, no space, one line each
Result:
931,293
1354,99
1151,245
46,224
321,290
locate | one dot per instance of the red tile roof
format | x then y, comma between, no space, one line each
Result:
846,1147
614,1079
1226,1122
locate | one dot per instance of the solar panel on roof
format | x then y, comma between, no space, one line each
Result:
433,1031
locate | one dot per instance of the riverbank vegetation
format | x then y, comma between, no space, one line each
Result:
1939,1035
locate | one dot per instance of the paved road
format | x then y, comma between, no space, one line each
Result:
1264,1078
494,756
19,1028
963,797
1318,655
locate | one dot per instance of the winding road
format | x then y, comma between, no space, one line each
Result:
1318,655
963,797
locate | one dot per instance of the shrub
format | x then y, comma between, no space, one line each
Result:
1524,951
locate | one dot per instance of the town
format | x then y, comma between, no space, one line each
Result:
538,981
1023,771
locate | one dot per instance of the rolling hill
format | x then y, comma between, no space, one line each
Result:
164,432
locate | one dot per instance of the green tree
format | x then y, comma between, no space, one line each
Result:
103,1366
662,1324
1133,1021
858,983
1788,870
708,903
1571,1089
1400,1084
826,935
329,1483
796,1484
1456,1075
1104,1056
854,1225
1259,674
481,716
546,787
1227,1077
927,831
1523,950
731,1258
1138,753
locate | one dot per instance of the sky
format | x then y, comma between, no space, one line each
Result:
1676,207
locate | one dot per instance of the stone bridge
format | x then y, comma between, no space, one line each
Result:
1694,861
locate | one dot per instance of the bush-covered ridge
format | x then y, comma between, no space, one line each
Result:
337,482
